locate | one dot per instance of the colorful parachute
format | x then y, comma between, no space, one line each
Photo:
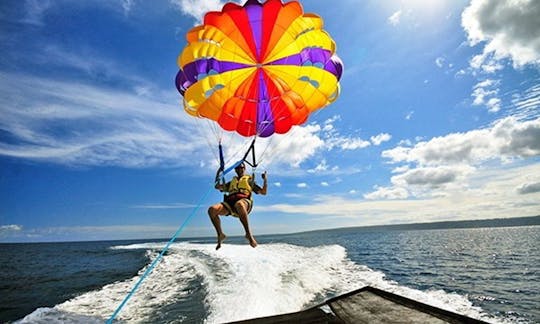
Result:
258,69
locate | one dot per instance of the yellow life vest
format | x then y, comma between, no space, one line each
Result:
242,185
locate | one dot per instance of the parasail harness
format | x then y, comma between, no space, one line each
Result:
249,158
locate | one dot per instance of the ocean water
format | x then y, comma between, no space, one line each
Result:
491,274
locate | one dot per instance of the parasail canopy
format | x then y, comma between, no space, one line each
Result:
258,69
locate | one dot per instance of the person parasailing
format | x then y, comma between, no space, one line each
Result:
238,201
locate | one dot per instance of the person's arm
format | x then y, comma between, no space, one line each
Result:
263,190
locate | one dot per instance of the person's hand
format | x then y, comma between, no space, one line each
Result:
264,175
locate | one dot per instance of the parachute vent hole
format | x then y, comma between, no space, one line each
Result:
305,78
217,87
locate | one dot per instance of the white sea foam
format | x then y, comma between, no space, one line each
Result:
271,279
240,282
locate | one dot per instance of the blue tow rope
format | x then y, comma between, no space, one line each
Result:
165,249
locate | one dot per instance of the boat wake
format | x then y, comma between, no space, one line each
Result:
195,283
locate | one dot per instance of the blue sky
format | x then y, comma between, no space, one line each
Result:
438,119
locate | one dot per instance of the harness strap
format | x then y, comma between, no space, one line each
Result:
253,162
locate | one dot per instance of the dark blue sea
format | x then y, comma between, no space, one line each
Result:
491,274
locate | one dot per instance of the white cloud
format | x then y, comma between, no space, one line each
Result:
324,184
394,19
332,120
303,142
409,115
353,143
323,166
380,138
405,142
293,148
526,105
9,231
506,138
439,61
485,62
528,188
302,185
447,164
347,143
75,123
489,194
277,184
401,169
485,94
10,228
433,177
507,28
424,182
381,193
197,8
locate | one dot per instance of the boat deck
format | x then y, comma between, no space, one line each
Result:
368,305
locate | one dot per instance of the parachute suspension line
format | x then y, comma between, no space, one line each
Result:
268,144
222,171
220,177
221,159
206,131
218,135
213,127
251,149
165,249
271,150
238,149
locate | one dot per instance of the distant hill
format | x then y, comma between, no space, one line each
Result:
496,222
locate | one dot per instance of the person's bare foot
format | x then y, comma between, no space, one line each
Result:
220,238
251,240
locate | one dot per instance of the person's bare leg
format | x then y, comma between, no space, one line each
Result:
214,212
240,207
